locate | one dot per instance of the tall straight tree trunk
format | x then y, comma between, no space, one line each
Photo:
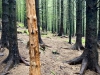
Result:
78,44
42,2
53,18
33,39
13,44
70,21
44,20
98,43
46,9
14,57
89,57
5,23
83,17
38,23
58,14
73,25
61,25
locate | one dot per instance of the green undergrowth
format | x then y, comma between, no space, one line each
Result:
20,24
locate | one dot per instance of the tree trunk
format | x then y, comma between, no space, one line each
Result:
78,44
91,34
89,58
70,24
38,24
14,57
98,43
61,25
33,38
13,45
5,23
58,15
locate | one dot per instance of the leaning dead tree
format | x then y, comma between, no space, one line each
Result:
33,38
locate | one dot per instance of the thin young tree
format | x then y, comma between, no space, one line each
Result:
70,20
58,15
33,39
78,44
89,57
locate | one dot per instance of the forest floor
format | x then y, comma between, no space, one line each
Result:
52,59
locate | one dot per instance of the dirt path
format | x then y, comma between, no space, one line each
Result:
51,59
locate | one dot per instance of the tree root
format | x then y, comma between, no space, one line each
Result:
98,44
8,67
10,64
24,61
42,45
77,60
77,47
84,65
98,69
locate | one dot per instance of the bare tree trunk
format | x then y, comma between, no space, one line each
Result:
5,23
61,25
33,38
42,44
89,57
78,44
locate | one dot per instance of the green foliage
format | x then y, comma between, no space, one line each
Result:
20,24
20,10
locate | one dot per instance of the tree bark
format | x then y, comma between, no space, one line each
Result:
42,44
61,31
78,44
5,23
70,24
98,43
33,39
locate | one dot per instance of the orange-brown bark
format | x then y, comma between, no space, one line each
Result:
33,39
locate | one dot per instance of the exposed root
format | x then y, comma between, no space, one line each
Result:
76,60
98,44
7,68
10,64
42,46
98,69
77,47
24,61
84,66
